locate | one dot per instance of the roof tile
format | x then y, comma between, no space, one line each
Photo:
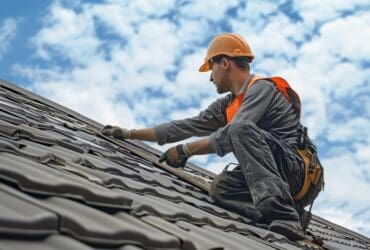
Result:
20,216
37,178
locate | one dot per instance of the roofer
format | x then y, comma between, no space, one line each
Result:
259,121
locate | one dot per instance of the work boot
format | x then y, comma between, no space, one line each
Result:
281,217
291,229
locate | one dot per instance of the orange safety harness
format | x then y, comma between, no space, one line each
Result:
280,83
313,169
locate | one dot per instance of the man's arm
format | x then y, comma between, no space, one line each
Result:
200,147
176,156
203,124
145,134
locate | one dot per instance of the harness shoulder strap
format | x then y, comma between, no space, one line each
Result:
288,92
282,86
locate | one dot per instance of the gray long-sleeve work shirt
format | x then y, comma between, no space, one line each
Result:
262,104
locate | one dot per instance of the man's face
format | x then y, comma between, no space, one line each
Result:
218,76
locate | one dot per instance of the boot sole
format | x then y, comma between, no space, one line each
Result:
288,232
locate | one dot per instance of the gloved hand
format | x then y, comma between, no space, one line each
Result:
174,157
116,132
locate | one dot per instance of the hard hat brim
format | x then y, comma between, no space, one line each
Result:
204,67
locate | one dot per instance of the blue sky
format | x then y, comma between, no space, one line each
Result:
134,64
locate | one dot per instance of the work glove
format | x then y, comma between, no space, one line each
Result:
116,132
174,157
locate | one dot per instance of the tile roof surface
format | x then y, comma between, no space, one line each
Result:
65,186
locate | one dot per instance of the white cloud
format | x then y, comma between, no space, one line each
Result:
189,84
277,39
68,35
355,129
7,34
191,33
154,56
254,14
345,186
93,97
318,12
217,165
344,179
211,10
363,153
349,35
116,17
344,219
155,8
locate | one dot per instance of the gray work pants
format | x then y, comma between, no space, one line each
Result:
269,172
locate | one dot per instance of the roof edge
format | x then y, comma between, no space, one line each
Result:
93,123
36,97
342,229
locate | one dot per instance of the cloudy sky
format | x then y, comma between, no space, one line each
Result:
134,64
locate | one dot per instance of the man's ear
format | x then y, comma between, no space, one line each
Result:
225,63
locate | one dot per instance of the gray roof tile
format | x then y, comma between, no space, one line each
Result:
96,227
38,178
189,240
227,240
19,216
52,242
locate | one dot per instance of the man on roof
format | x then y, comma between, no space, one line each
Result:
259,121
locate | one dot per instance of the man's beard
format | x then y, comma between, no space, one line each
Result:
220,90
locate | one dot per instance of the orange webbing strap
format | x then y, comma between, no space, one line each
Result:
281,85
284,87
233,108
312,176
288,92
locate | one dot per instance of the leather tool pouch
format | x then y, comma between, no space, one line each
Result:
314,172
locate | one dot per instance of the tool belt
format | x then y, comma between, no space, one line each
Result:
314,173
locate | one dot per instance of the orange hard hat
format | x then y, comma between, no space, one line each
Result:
229,44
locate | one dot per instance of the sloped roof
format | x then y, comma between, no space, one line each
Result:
65,186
